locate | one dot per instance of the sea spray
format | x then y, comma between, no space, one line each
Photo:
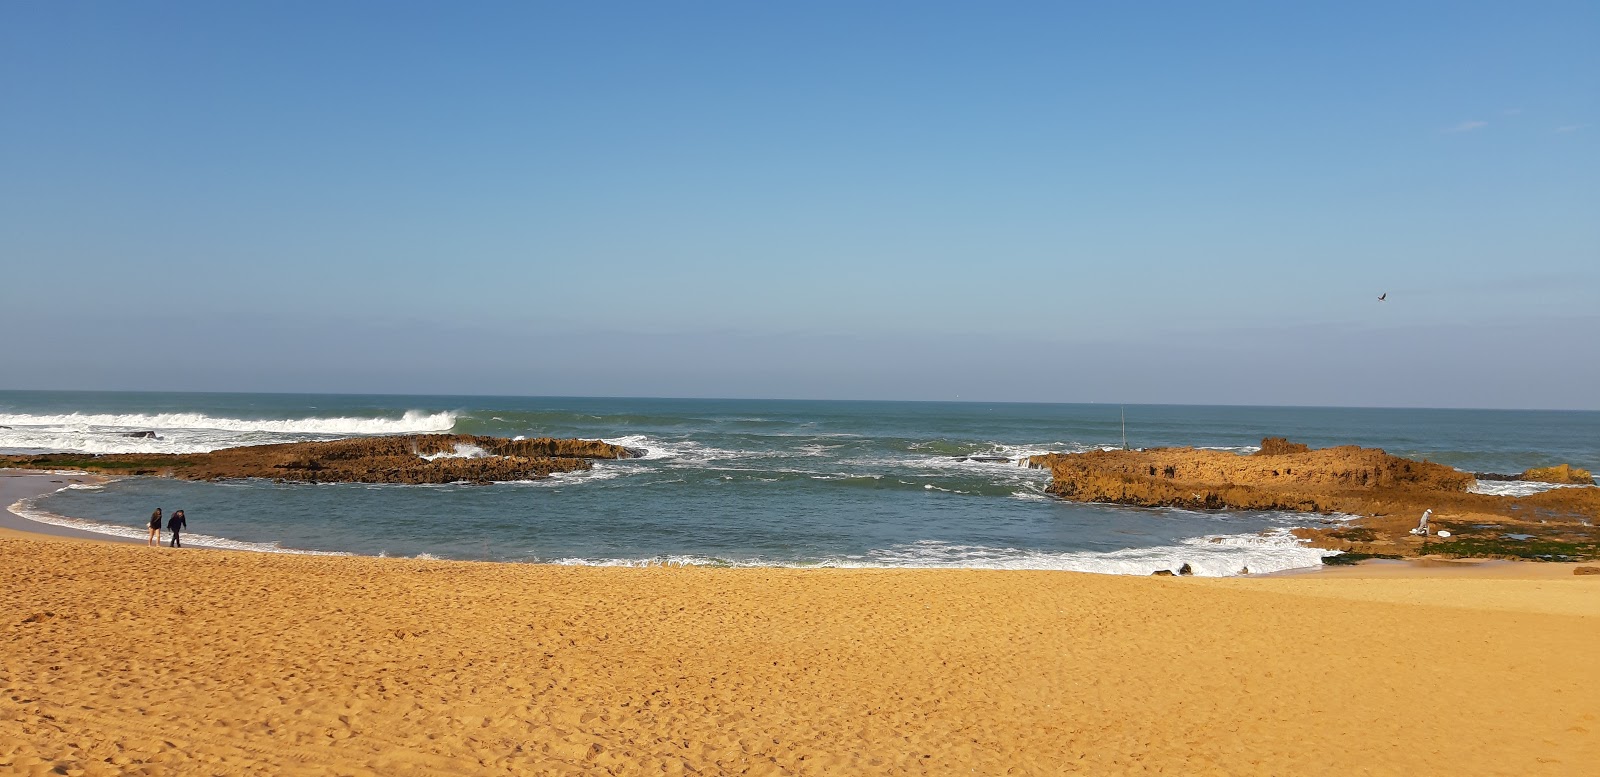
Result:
97,433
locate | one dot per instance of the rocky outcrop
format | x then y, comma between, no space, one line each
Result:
1388,493
1296,478
414,459
1278,446
1565,473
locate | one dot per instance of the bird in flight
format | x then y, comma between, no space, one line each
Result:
1383,296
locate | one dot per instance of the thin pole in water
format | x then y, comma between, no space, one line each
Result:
1124,427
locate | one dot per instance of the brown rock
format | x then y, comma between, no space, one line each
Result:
396,459
1565,473
1278,446
1308,481
1389,493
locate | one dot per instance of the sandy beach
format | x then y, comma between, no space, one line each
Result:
123,659
802,389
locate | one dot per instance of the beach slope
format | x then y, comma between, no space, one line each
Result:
132,660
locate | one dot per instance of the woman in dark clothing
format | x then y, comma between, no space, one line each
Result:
177,523
155,528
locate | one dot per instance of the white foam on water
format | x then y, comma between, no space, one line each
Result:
29,509
1032,496
1517,487
685,452
1016,454
412,421
462,450
658,561
1284,518
1001,474
193,432
596,473
951,464
1211,556
654,450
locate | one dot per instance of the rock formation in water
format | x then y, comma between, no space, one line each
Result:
1281,476
414,459
1565,473
1389,493
1277,446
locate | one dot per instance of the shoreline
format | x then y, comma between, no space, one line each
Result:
19,484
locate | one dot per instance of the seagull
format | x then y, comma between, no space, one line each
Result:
1383,296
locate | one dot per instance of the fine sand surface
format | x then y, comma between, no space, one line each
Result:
122,659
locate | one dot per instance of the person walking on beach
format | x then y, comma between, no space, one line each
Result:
155,528
177,523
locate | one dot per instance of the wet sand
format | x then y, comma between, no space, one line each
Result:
123,659
16,485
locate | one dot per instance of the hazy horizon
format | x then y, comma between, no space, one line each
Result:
643,397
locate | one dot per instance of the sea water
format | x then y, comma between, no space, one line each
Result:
745,482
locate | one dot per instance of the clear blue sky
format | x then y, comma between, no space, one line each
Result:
1157,202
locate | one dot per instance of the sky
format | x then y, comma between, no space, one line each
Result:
1131,202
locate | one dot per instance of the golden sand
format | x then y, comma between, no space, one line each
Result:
122,659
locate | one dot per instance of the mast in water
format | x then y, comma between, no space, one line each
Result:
1124,427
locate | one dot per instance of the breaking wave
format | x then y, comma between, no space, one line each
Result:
1516,487
193,432
460,451
1212,556
411,422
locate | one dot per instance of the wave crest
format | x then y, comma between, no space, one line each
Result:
413,421
194,432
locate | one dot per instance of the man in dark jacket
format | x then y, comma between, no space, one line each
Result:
177,523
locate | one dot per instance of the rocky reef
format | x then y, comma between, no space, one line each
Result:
411,459
1387,494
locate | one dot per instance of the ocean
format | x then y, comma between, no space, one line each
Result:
737,482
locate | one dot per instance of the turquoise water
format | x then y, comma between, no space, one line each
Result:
746,481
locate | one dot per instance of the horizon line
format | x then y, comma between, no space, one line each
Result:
801,399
